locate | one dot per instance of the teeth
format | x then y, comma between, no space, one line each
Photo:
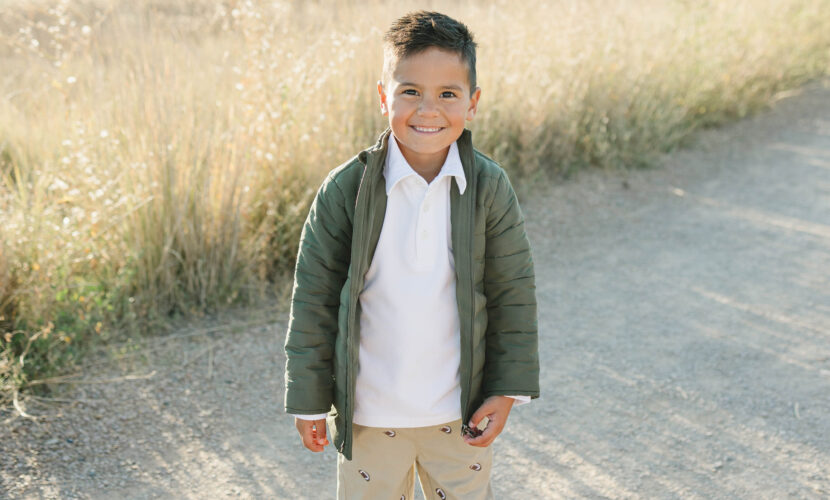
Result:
427,129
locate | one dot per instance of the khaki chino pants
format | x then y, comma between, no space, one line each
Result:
384,462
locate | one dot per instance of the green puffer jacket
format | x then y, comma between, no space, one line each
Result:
495,288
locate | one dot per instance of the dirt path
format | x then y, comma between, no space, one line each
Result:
685,335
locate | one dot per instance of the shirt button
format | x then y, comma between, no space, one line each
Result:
426,207
424,234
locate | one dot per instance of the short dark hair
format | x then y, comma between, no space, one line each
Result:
418,31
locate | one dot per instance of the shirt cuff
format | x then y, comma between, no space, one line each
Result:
520,400
319,416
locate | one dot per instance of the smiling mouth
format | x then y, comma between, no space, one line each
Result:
427,130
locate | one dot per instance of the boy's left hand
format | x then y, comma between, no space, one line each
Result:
496,409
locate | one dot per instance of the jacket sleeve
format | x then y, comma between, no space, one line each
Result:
321,270
512,355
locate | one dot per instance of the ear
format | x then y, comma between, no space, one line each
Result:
384,108
473,107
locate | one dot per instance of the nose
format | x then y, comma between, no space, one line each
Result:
427,107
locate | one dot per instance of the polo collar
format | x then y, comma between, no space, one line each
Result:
396,167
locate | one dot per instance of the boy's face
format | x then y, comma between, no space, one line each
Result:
428,100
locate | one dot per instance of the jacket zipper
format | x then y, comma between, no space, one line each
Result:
353,298
470,230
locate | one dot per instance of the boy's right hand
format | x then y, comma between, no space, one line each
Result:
313,433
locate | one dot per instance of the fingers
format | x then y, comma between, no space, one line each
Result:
478,416
496,409
489,435
319,432
313,433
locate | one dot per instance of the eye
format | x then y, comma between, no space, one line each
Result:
448,94
410,92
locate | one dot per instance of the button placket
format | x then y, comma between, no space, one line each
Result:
421,229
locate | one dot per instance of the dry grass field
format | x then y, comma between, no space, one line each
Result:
157,158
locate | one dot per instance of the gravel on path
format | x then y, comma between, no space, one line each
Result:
684,333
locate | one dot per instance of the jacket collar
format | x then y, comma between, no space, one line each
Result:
374,157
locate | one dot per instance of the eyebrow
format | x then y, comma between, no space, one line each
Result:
410,84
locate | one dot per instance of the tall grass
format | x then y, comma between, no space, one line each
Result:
157,158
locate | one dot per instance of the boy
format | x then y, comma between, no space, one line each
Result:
413,314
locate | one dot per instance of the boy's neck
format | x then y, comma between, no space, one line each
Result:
427,166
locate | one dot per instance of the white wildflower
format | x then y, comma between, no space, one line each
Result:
58,184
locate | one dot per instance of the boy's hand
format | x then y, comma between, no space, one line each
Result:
496,409
313,433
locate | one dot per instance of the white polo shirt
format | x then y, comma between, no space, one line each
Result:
410,346
410,350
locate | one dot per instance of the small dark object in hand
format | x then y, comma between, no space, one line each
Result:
472,432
